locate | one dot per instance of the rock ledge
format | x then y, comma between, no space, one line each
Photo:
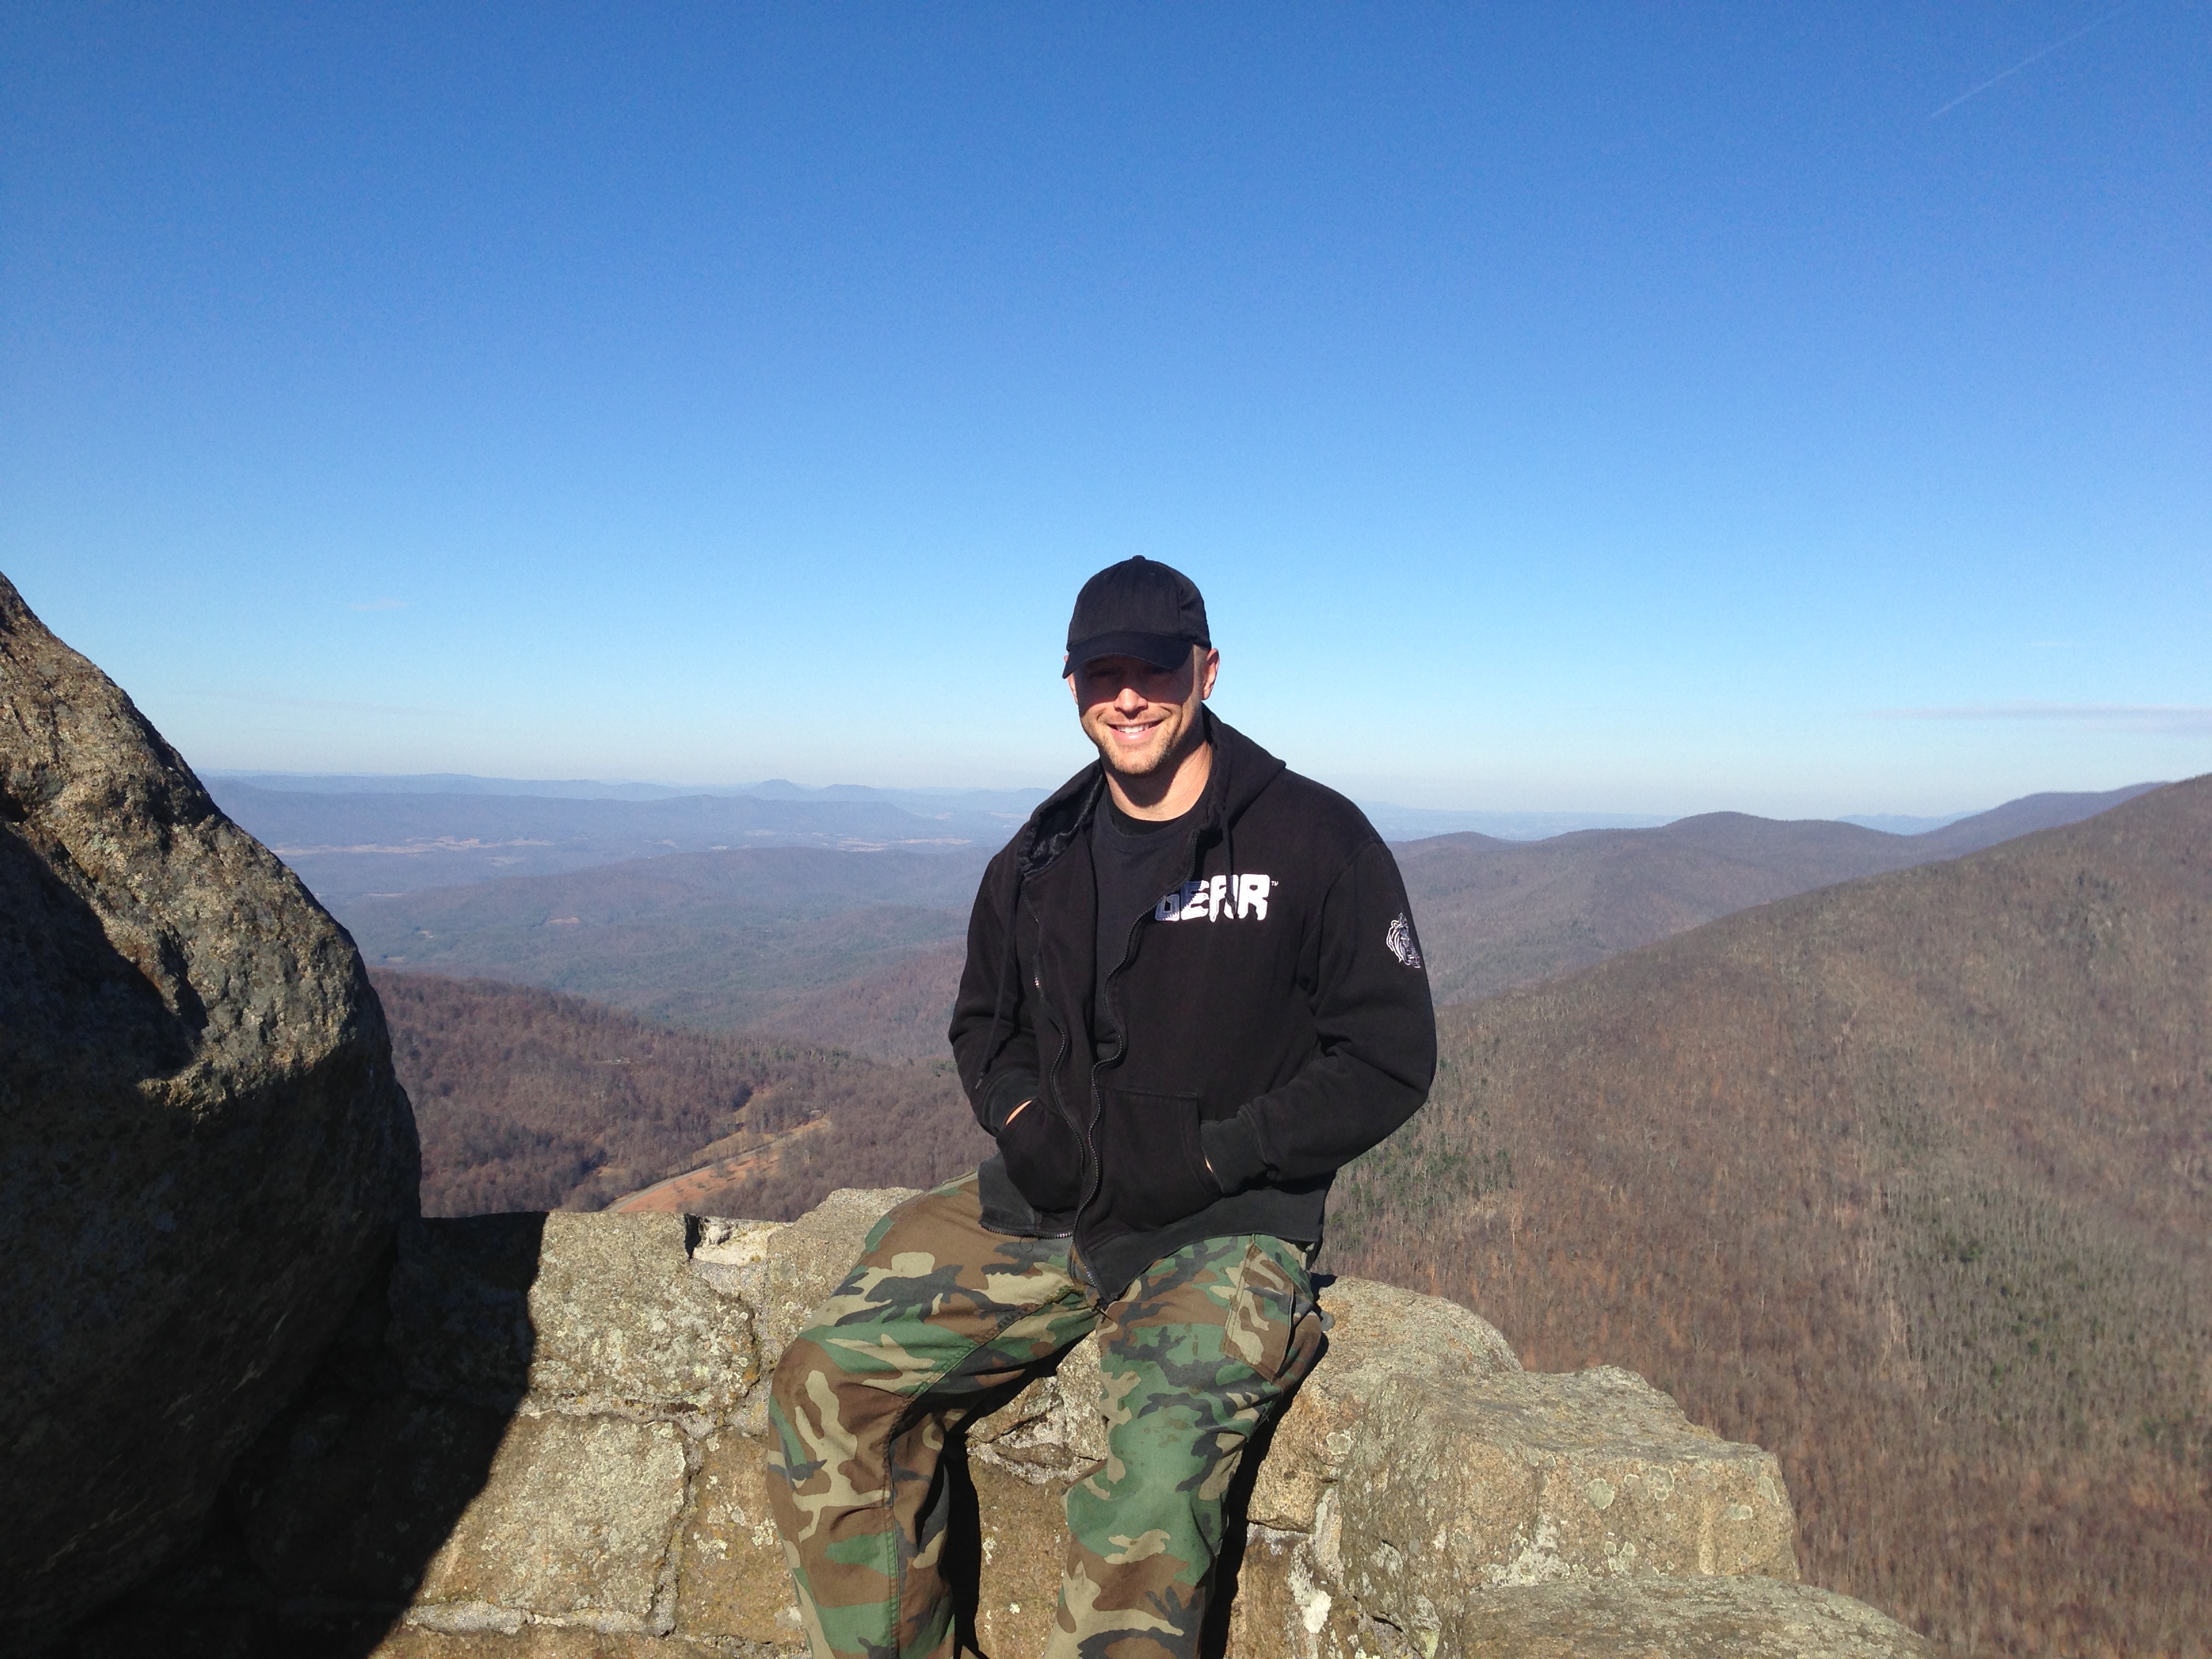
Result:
545,1439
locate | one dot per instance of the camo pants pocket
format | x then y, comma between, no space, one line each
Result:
1274,1323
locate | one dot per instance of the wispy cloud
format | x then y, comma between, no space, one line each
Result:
2033,58
380,605
2152,718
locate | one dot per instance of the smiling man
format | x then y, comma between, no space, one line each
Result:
1192,993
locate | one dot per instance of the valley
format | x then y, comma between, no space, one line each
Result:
354,838
527,1099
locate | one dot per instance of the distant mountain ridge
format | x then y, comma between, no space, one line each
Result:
346,846
924,801
349,835
1495,913
719,940
863,951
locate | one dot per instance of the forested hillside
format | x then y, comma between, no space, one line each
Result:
526,1099
1910,1180
720,940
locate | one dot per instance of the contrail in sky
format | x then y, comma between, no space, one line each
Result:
2065,40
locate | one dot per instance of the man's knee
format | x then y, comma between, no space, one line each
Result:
787,1385
812,1395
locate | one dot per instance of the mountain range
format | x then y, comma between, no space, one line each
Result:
352,835
358,843
862,950
1494,914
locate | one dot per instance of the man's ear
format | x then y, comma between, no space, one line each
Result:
1209,665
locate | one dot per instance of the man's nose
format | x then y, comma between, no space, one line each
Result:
1129,701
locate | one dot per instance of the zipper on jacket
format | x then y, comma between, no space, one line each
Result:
1051,1079
1121,1035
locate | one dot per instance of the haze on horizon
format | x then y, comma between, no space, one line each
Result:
1611,409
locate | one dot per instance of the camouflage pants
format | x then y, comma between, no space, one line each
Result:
942,1316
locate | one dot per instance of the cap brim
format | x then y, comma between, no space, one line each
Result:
1161,650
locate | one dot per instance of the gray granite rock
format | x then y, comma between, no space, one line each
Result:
733,1585
806,1260
580,1312
1379,1334
576,1521
460,1306
1529,1478
1679,1618
202,1150
621,1320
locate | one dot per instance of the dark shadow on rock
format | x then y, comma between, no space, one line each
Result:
330,1519
964,1555
78,1013
957,1510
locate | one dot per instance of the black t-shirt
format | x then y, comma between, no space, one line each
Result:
1137,860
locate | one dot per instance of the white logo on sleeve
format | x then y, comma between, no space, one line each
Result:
1400,938
1219,898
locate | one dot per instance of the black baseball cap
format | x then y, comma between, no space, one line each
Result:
1153,612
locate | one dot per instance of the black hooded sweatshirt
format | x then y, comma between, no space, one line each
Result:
1275,1010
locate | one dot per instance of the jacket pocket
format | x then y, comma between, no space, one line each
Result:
1153,1168
1003,1208
1043,1158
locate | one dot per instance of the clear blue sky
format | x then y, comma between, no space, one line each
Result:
1635,407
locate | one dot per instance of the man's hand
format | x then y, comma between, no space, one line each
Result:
1012,1115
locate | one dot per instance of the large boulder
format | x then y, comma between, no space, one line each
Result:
202,1150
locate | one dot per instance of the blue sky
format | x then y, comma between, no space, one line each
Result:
1631,408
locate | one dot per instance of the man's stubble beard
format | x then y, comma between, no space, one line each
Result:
1165,759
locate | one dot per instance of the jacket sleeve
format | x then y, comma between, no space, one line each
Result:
1377,1041
993,1042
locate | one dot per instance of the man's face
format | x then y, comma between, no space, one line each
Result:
1143,718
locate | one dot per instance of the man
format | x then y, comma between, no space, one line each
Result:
1192,991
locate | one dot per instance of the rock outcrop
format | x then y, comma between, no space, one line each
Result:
202,1150
544,1439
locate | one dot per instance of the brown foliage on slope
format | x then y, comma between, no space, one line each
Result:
527,1099
716,938
1498,914
898,1013
1910,1180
